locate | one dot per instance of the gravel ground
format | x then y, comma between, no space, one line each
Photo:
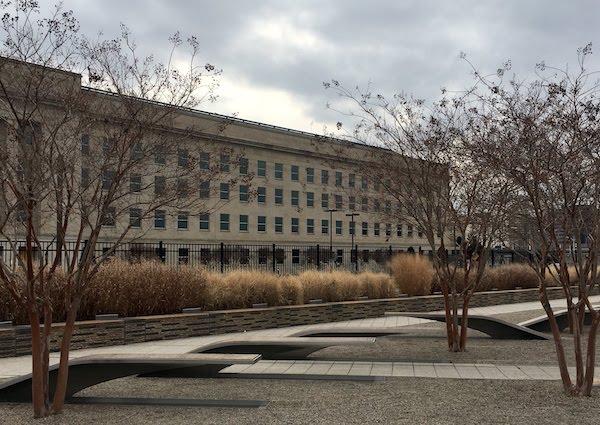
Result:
393,401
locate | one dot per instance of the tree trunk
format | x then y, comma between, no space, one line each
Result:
590,359
560,351
60,390
464,324
39,369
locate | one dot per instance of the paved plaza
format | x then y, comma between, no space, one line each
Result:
17,366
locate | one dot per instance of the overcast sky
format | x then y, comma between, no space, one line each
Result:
275,54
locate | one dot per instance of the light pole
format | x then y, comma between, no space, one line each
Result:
352,232
331,211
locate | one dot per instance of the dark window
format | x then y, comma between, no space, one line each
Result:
224,191
224,163
262,223
204,221
135,183
325,227
339,202
159,156
160,219
261,168
310,175
294,173
107,179
295,256
243,223
262,195
278,224
310,226
278,196
278,171
377,229
338,227
351,180
135,217
365,228
324,200
295,225
204,160
85,144
243,193
399,230
183,157
310,199
182,220
295,198
224,226
243,165
136,152
160,185
324,176
338,178
110,217
204,190
85,178
352,203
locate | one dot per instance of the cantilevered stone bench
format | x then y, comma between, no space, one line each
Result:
542,323
280,348
90,370
360,332
496,328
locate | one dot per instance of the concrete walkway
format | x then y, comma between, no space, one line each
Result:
17,366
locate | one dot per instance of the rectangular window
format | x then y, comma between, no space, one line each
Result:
224,163
204,161
262,223
224,191
135,217
352,203
295,256
388,207
399,230
352,227
159,156
244,166
278,196
261,168
365,204
205,190
376,205
183,255
325,227
110,217
365,228
107,179
351,180
182,187
295,225
135,183
388,230
310,175
278,224
295,171
364,183
420,233
204,221
324,200
135,152
243,193
295,198
339,203
310,199
160,185
338,227
409,230
324,176
85,144
338,178
224,223
243,223
377,229
182,220
262,195
278,171
160,219
183,157
310,226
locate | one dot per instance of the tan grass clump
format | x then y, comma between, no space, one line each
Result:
329,286
412,274
376,285
509,276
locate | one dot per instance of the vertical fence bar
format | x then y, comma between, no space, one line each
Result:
273,259
222,256
318,257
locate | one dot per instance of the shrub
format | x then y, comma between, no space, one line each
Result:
509,276
412,274
376,285
330,286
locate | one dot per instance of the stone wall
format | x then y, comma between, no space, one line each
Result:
15,340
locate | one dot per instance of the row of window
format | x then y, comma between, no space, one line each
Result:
183,223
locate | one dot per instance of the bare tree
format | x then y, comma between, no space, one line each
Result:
83,165
543,137
421,164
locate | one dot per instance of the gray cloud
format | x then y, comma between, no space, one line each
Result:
410,45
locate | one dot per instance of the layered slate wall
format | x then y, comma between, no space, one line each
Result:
15,340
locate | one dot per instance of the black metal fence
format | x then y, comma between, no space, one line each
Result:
221,257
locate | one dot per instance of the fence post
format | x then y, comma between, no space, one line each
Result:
222,256
318,257
161,251
356,257
274,259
